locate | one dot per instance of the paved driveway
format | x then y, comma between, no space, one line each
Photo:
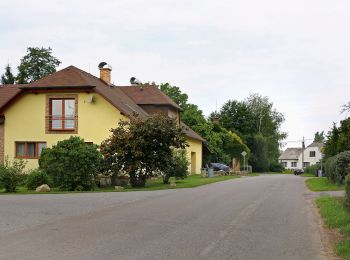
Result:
265,217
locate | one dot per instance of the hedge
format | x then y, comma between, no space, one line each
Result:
337,167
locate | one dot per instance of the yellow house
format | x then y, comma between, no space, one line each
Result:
73,102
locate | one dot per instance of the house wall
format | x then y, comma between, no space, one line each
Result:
195,146
312,160
289,164
2,145
307,158
25,121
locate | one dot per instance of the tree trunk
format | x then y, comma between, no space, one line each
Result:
137,181
166,178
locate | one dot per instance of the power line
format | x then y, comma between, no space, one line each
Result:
298,141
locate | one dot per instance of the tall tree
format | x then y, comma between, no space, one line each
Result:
8,77
37,63
319,137
332,146
175,93
223,145
258,123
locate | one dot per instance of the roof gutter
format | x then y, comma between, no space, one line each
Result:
57,87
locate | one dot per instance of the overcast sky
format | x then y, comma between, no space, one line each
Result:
296,52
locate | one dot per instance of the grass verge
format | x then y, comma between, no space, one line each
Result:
322,184
284,172
307,175
336,216
253,174
190,182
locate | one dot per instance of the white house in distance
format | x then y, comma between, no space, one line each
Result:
292,158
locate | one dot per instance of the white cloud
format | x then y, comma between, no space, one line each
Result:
295,52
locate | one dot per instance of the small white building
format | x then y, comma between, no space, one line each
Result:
292,158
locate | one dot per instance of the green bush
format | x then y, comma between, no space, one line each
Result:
36,178
12,174
330,168
179,166
276,167
337,167
72,164
312,168
347,190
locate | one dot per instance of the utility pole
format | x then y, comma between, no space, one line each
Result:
302,153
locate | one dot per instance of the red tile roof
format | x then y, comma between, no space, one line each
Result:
7,92
126,99
190,133
72,77
68,77
148,95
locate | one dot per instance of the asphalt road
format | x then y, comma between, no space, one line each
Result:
265,217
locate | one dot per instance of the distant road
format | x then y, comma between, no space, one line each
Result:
265,217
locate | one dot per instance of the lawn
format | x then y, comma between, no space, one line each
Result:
284,172
253,174
322,184
336,216
307,175
189,182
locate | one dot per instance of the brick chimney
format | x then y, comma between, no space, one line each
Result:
105,72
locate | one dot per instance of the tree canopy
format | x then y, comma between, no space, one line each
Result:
37,63
141,148
258,123
338,139
223,144
319,137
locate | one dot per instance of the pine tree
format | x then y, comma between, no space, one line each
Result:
7,77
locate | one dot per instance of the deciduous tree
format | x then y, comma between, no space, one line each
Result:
223,145
141,148
37,63
259,124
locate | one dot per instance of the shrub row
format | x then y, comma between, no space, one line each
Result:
73,165
313,168
347,190
337,167
36,178
12,175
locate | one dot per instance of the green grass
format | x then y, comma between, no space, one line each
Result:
189,182
322,184
307,175
284,172
336,216
253,174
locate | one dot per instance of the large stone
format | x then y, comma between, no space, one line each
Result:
105,181
119,188
43,188
172,184
120,181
